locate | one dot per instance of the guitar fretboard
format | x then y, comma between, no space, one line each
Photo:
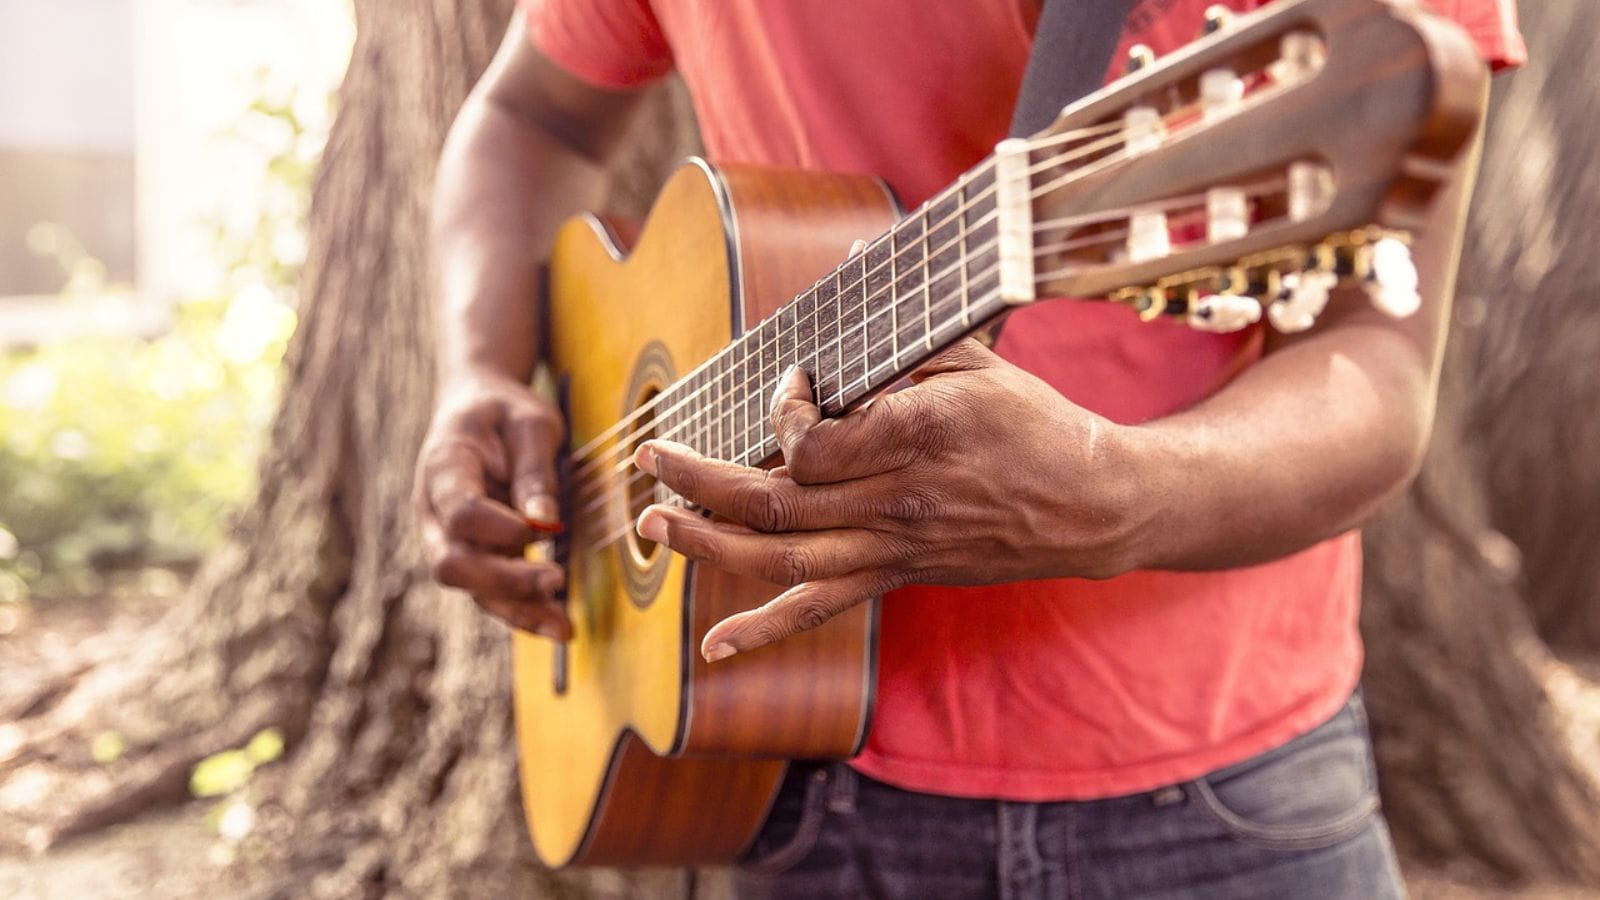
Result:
913,291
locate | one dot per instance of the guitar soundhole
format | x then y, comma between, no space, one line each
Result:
643,563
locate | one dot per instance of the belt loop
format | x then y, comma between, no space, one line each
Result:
842,792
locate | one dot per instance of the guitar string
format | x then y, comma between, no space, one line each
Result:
951,298
607,486
964,205
721,384
585,452
601,502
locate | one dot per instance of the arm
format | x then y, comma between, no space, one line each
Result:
527,150
1310,440
982,474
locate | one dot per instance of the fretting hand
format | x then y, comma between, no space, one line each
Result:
979,473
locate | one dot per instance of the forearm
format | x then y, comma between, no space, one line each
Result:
1310,440
1302,446
527,150
502,190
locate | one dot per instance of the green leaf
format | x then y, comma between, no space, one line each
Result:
107,747
265,747
221,773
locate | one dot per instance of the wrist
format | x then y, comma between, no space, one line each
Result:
1139,469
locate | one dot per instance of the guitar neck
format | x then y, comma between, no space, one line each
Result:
925,283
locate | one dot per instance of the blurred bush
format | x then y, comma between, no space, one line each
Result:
122,452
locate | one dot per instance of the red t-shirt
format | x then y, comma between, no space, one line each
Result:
1041,690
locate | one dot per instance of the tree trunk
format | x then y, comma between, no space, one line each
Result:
318,617
1491,552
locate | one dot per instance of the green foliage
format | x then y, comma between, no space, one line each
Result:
108,747
228,771
117,450
221,773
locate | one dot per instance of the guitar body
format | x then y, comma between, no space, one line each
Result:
632,749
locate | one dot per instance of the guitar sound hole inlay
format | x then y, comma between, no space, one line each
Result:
643,562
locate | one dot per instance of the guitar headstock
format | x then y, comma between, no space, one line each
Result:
1291,149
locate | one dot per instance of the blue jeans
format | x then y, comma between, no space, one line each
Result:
1299,821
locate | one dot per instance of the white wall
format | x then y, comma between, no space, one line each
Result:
66,75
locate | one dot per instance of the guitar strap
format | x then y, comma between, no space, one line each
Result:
1072,48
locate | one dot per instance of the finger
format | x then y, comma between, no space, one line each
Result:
793,410
825,451
764,499
517,590
965,355
798,609
546,618
456,498
532,439
785,559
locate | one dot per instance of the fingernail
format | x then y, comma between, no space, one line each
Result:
783,386
719,651
645,457
541,510
551,631
653,526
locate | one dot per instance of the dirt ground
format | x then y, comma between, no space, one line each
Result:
177,854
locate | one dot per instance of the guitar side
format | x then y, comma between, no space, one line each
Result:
646,754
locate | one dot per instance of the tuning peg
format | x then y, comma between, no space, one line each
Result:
1218,17
1391,278
1139,56
1223,313
1150,303
1301,298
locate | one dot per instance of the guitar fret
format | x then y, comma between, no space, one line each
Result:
894,297
827,375
961,248
879,319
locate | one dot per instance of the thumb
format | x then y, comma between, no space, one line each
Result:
531,439
965,355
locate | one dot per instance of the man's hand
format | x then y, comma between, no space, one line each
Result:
979,473
486,488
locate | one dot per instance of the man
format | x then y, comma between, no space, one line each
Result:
1145,686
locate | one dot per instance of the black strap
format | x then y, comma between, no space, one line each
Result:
1072,50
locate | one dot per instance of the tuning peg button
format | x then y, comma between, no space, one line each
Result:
1303,297
1223,313
1391,281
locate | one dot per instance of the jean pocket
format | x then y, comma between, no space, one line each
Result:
1315,791
792,828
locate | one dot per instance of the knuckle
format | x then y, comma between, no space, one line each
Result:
762,506
460,521
810,614
540,420
792,565
520,582
449,569
909,506
696,544
806,463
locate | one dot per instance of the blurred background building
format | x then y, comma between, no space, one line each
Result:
124,151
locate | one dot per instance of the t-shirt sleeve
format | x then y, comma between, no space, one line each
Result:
1492,25
611,44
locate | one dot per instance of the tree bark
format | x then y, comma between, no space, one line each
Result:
1490,554
318,617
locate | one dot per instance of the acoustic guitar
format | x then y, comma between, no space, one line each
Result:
1243,177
